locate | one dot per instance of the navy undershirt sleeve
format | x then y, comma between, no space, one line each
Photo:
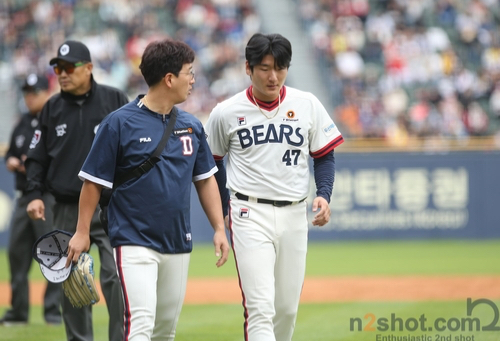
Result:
220,176
324,175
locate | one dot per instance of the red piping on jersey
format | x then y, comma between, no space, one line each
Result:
268,106
245,310
328,148
126,315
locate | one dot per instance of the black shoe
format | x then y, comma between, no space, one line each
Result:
7,322
53,322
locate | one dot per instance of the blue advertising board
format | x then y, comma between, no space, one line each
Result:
7,201
383,196
415,195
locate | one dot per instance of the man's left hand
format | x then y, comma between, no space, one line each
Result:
323,216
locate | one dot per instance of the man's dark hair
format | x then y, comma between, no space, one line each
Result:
261,45
162,57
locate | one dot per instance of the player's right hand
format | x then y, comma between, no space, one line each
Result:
36,209
80,242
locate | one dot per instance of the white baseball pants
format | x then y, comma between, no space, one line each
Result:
270,246
154,286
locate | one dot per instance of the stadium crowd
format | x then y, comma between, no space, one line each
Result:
404,68
394,68
117,31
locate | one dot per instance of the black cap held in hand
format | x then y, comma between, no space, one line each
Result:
35,82
51,251
73,52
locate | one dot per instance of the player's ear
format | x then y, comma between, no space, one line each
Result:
168,80
248,70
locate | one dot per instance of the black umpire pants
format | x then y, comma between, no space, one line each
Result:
23,234
78,321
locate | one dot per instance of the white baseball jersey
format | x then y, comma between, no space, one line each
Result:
269,149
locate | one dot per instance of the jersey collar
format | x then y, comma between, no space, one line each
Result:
268,106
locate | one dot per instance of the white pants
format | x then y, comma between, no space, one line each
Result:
153,286
270,246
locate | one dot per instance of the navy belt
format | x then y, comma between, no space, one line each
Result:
277,203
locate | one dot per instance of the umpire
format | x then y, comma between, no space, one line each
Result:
24,231
68,124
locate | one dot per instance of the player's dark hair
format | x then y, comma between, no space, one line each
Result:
261,45
162,57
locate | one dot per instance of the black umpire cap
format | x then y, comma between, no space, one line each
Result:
34,82
73,52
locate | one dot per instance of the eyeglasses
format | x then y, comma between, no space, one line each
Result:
191,72
69,68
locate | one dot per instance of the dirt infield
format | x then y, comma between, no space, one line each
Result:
334,289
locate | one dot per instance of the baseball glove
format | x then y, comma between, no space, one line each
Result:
80,287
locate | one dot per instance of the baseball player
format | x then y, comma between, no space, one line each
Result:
24,231
149,216
268,132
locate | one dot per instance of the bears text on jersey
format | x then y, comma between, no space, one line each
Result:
261,134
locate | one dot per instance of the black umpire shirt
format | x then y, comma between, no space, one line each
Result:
19,143
63,139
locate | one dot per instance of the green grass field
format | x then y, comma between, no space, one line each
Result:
332,321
